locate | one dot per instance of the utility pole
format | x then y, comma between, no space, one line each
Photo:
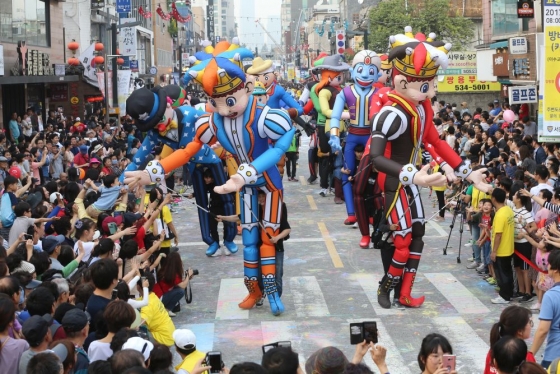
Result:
114,64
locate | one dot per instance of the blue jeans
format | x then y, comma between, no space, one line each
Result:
545,364
486,253
475,230
172,297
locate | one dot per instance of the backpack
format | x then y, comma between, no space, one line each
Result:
7,215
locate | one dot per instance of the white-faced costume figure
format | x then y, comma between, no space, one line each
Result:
398,131
161,113
356,98
244,128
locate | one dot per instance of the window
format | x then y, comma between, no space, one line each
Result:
224,3
504,17
25,20
165,58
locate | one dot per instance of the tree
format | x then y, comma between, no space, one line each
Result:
391,16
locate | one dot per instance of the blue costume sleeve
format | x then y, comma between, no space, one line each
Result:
53,213
278,127
337,110
290,101
143,152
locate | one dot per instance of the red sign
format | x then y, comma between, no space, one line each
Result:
59,92
525,9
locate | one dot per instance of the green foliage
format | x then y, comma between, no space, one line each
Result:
391,16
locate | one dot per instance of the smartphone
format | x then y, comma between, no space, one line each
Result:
370,332
214,360
286,343
114,294
27,236
356,333
268,347
112,227
449,362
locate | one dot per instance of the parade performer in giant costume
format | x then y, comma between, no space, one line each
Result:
398,131
244,128
160,112
357,98
323,96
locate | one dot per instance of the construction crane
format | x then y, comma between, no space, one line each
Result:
277,46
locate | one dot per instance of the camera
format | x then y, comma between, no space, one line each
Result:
214,360
268,347
194,272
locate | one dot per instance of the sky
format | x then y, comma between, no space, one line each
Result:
249,32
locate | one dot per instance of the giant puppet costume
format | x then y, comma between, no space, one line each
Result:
398,131
160,113
323,96
357,98
243,127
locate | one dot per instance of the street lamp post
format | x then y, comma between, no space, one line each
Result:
115,82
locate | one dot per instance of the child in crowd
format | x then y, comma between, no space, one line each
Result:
486,216
110,191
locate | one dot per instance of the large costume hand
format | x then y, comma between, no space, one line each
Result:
234,184
139,176
334,142
477,178
423,179
449,172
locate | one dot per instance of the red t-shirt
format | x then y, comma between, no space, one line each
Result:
486,220
162,287
139,237
489,369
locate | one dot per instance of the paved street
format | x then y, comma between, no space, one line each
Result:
329,281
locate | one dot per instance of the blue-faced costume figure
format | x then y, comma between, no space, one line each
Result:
244,128
357,98
160,112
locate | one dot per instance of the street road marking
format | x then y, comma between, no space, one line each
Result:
204,333
311,202
276,331
232,292
337,262
464,340
370,283
394,359
438,228
308,297
458,295
240,242
303,182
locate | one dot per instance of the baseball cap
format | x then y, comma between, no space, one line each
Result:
141,345
496,100
94,160
78,119
105,224
51,242
75,320
184,338
34,283
54,196
83,148
60,351
131,218
25,266
35,329
3,159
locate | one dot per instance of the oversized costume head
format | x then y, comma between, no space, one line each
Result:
154,108
260,93
416,60
332,70
386,69
221,75
365,68
263,70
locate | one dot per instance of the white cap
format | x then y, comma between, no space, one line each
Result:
184,338
77,119
54,196
141,345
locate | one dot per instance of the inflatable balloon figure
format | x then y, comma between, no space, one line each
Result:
357,98
398,130
160,112
243,127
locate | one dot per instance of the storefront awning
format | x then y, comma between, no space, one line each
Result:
502,44
27,79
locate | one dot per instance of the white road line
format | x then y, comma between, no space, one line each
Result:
394,360
275,331
308,297
438,228
239,242
466,343
458,295
232,292
370,283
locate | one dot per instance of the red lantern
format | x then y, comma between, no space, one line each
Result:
73,45
98,60
120,61
73,61
99,46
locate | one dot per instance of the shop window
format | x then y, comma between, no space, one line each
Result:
25,20
504,17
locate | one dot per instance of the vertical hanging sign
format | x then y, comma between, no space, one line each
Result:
210,21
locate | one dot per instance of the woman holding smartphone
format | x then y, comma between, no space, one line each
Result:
436,355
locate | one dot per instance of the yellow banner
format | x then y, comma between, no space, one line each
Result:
291,73
552,81
466,83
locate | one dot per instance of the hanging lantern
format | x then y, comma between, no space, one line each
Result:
99,46
98,60
120,61
73,61
73,45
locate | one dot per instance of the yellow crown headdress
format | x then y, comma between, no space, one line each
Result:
417,56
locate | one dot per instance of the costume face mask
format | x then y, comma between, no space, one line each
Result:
415,91
231,105
337,81
364,75
267,79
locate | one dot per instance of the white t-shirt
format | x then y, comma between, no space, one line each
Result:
88,248
535,191
522,218
99,351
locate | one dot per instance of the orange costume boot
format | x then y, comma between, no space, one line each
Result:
255,294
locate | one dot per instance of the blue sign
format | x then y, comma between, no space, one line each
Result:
126,63
134,65
124,6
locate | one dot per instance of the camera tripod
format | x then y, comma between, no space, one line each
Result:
459,211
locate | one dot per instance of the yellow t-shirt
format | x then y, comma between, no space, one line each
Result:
438,188
189,362
477,195
504,223
158,321
167,218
